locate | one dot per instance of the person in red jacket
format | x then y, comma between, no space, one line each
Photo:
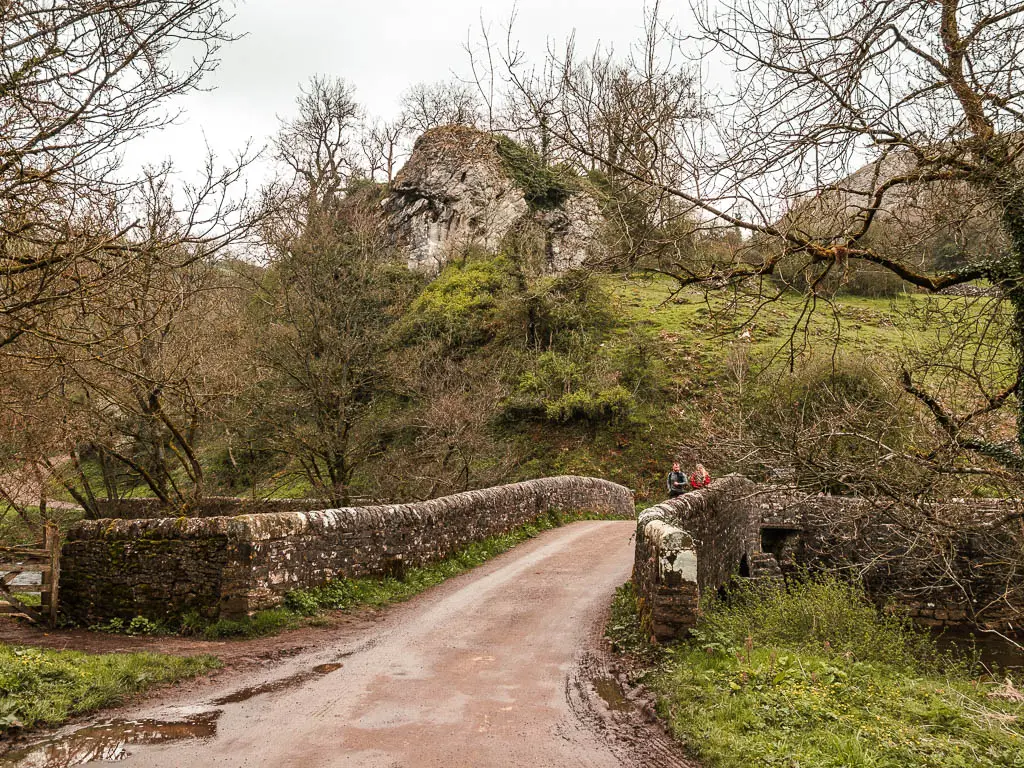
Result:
700,477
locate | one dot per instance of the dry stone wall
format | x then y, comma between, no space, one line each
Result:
689,546
230,566
964,571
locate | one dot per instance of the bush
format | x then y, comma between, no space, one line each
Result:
569,308
564,388
139,625
260,624
836,421
610,405
874,282
460,306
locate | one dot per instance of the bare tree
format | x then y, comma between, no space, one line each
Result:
924,95
78,80
318,144
324,312
623,121
133,376
429,105
329,295
383,145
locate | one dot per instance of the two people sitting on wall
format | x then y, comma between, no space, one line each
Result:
679,483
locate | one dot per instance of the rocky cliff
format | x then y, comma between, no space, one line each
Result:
466,188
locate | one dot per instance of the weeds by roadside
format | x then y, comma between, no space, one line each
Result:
813,676
624,630
46,687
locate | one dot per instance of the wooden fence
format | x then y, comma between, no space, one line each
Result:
43,558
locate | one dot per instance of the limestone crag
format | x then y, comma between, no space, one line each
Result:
456,191
572,232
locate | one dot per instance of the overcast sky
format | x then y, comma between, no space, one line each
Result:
380,47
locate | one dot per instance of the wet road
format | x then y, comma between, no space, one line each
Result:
492,668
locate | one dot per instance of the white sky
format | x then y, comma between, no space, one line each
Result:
380,47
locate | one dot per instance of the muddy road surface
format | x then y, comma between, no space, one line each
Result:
501,666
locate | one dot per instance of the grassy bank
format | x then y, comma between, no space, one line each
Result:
46,687
813,677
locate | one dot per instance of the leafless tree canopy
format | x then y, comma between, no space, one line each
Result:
429,105
318,144
78,81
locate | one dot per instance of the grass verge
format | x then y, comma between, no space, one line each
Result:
814,677
346,594
46,687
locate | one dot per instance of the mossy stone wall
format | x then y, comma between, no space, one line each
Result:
230,566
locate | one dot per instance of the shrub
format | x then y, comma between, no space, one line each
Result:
611,404
874,282
563,388
569,308
460,305
543,186
836,421
258,625
139,625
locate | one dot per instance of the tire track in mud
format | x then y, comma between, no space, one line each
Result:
596,698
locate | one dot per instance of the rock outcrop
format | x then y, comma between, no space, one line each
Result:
458,190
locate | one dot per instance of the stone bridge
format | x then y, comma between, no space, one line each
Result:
696,544
226,564
146,561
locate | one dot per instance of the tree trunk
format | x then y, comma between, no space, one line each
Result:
1012,285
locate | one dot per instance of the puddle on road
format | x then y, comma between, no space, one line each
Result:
109,741
608,689
244,694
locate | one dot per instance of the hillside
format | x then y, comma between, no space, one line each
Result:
622,374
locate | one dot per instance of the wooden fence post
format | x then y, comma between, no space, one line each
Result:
51,580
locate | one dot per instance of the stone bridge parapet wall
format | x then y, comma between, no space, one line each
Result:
230,566
965,571
690,546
